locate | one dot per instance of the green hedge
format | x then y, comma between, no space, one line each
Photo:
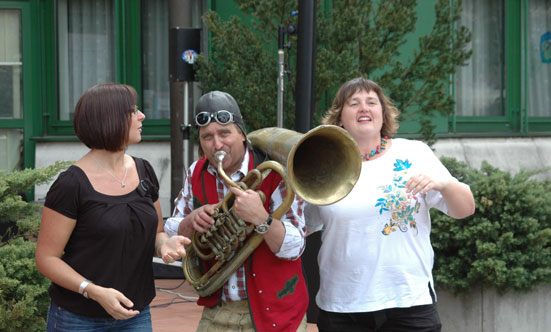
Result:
505,244
23,290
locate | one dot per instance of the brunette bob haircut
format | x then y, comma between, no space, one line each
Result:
390,112
102,116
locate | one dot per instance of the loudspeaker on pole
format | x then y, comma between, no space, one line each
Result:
184,45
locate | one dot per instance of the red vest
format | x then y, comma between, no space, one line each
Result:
276,289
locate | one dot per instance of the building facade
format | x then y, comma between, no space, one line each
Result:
52,50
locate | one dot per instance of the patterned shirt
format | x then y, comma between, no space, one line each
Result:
295,229
376,251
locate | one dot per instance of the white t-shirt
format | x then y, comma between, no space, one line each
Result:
376,251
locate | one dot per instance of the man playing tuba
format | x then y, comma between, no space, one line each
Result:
268,291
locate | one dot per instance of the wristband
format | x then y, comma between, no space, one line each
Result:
82,287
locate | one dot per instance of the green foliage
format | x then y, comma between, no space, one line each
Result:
243,62
13,209
23,290
353,38
506,244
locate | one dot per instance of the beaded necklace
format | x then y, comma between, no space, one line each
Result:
378,149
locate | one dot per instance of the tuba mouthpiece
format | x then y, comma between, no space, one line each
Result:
220,155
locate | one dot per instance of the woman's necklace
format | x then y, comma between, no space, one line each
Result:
378,149
122,182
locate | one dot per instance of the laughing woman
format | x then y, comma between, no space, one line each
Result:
102,223
376,257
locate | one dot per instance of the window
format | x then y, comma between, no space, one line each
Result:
155,82
11,65
93,41
480,87
505,89
15,77
11,148
99,41
539,58
86,49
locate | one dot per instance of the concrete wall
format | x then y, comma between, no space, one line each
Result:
509,154
487,311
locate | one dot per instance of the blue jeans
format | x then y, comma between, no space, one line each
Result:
61,320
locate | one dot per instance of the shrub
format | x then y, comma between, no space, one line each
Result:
23,290
505,244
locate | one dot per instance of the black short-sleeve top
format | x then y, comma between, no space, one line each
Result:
113,241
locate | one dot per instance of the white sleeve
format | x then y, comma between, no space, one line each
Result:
295,230
183,205
312,218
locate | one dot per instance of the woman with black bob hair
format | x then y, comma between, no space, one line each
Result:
102,222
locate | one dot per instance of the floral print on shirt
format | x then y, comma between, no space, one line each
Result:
400,205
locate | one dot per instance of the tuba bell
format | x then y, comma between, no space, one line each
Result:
321,167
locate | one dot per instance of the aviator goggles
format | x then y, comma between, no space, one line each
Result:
223,117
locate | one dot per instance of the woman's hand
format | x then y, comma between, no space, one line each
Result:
421,183
457,195
173,248
113,301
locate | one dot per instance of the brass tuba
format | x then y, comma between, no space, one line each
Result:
321,166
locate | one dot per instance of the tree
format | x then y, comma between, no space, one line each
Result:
353,38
